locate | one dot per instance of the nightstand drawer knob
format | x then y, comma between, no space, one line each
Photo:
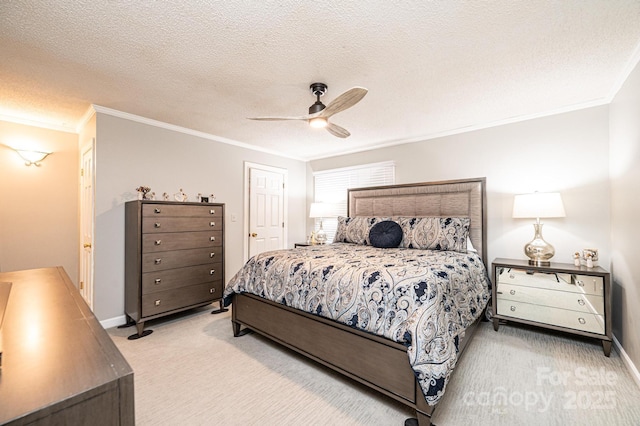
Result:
512,292
512,276
211,254
157,261
211,272
212,211
212,290
158,281
156,225
582,320
157,302
212,238
156,210
513,309
580,302
212,224
580,283
158,242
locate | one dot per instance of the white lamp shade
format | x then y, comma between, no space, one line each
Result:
320,210
537,205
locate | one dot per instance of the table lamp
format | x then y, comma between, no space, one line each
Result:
319,211
538,205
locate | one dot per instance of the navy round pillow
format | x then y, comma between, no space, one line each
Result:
385,234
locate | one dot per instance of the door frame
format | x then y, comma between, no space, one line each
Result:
88,288
247,188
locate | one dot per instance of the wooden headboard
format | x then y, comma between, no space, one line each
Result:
465,197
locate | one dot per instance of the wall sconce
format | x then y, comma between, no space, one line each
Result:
32,157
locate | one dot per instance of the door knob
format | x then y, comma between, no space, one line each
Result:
86,245
253,234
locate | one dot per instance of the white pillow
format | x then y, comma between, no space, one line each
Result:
470,246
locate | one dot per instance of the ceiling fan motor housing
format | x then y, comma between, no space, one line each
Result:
318,89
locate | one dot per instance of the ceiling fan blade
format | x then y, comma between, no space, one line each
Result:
344,101
337,131
301,117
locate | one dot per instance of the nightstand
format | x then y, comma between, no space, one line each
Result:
296,245
561,296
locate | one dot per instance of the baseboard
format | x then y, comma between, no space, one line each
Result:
113,322
627,361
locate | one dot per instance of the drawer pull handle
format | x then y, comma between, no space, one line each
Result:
212,211
156,225
158,280
212,290
212,224
212,238
156,210
580,302
211,254
158,261
211,272
158,242
512,292
582,320
157,302
513,309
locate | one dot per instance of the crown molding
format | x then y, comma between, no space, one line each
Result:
187,131
40,124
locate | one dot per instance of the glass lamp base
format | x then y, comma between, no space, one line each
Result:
538,250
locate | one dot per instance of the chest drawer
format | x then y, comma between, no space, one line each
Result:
167,241
180,224
169,210
552,281
558,299
177,259
179,298
180,277
548,315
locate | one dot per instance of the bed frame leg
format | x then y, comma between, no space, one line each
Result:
421,420
236,329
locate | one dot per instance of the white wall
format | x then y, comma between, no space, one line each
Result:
567,153
38,205
130,154
625,214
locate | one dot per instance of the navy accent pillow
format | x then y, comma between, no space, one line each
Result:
385,234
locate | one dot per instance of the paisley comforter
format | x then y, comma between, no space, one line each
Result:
424,299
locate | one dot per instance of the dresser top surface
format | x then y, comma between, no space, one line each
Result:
553,267
54,348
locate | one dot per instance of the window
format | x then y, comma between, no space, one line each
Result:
330,186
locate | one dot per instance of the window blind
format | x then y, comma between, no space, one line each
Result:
330,186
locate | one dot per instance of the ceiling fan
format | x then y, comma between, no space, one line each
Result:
319,114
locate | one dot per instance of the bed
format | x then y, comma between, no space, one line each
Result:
356,334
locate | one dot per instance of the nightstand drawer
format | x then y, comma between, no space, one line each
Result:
552,281
557,299
553,316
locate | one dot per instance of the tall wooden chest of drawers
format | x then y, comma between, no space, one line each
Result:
561,296
174,258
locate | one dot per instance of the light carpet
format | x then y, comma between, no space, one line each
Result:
192,371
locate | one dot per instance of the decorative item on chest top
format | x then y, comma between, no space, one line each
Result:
143,193
538,205
180,196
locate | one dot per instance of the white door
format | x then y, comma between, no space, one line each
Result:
86,221
266,217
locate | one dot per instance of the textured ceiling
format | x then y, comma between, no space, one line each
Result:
431,68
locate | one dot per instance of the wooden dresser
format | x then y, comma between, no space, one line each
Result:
60,367
174,258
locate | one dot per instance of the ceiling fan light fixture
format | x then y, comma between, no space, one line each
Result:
318,122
